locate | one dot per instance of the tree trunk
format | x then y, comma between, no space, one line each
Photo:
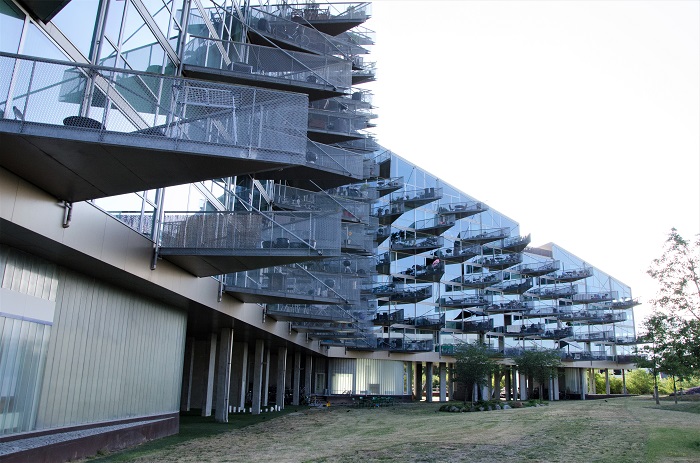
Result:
675,391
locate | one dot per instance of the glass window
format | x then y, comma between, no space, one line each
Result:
83,12
11,22
37,44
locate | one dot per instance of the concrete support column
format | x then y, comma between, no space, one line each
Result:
591,381
188,367
624,383
551,389
209,392
555,382
450,381
428,381
281,374
607,381
308,374
523,387
419,381
266,381
584,383
443,381
514,374
239,369
223,375
296,378
509,392
409,378
258,370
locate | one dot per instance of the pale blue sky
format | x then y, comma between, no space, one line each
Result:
579,119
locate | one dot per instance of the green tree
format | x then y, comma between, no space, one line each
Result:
475,363
639,381
540,365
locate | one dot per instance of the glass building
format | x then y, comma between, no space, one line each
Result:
196,215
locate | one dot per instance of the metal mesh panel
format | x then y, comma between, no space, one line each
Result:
303,311
269,62
105,99
335,159
270,233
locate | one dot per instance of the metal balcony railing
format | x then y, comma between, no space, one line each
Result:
594,336
359,192
429,272
319,12
434,226
471,326
567,276
537,268
392,293
620,304
384,187
295,281
427,322
558,333
415,198
542,312
334,159
533,329
312,313
363,144
512,287
295,68
338,126
359,35
269,231
291,198
292,31
388,213
134,109
389,318
357,238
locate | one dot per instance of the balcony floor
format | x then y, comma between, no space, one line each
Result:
75,164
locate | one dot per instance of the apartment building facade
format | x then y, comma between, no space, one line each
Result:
196,216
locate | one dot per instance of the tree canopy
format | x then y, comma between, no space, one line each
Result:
540,365
475,363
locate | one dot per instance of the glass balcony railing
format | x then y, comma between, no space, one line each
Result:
411,245
619,304
512,287
450,302
471,326
460,253
499,262
387,186
334,159
462,210
389,318
531,330
475,281
567,276
400,294
416,198
588,298
429,272
534,269
331,127
293,68
426,322
519,307
297,199
594,336
483,236
387,214
131,111
511,244
434,226
546,292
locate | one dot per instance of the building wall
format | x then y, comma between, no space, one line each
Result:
112,354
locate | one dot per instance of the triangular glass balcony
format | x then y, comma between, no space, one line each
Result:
363,192
216,243
474,326
511,244
357,238
534,269
83,132
408,243
331,127
540,311
431,271
498,262
464,302
435,226
557,334
474,281
619,304
594,336
426,322
567,276
546,292
311,313
512,286
293,284
242,63
401,294
482,236
460,253
290,33
289,198
462,210
389,318
518,307
388,186
532,330
415,198
594,297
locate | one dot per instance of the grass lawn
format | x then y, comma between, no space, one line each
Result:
613,430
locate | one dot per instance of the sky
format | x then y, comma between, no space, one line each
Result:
578,119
